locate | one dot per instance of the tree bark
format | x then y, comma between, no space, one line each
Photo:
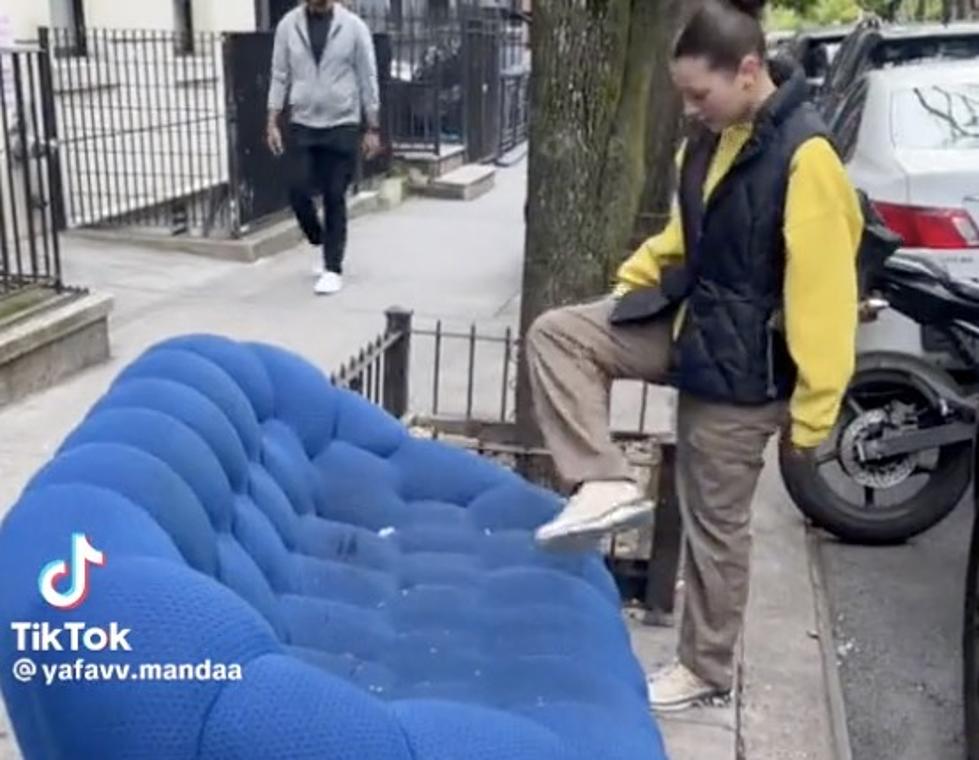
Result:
590,82
663,132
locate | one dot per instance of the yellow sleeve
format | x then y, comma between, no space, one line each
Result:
823,226
643,267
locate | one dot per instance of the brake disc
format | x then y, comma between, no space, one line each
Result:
878,474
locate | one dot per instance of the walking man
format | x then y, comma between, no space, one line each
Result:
323,65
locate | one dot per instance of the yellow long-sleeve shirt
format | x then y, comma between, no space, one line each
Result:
823,225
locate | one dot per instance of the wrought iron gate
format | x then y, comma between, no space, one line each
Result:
481,72
30,182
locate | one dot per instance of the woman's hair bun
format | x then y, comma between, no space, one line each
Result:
753,8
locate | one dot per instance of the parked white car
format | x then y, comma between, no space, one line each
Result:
909,137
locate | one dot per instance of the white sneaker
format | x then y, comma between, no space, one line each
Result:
328,284
676,688
599,507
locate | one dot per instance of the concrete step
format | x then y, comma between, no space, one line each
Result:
464,184
421,166
271,238
49,344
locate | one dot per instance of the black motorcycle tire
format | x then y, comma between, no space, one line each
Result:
944,489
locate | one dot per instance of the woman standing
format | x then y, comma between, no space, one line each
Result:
746,303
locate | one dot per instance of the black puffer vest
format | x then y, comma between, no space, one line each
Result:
729,348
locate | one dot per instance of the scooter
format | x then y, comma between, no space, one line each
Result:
901,455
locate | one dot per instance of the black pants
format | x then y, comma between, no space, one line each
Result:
322,162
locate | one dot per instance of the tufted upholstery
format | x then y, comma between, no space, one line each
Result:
382,592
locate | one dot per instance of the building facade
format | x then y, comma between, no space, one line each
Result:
27,16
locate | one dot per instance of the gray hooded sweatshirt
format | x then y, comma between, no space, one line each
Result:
344,85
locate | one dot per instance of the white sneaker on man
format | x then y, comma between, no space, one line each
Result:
676,688
599,507
328,284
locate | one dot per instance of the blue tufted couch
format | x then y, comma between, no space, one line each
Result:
381,593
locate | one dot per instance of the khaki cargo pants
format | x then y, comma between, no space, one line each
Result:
574,354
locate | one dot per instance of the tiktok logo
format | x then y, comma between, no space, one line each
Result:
83,554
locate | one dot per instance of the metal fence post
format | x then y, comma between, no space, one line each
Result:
52,151
667,538
397,361
231,114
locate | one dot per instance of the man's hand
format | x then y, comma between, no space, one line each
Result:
371,144
273,137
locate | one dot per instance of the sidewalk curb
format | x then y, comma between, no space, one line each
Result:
51,344
784,711
827,644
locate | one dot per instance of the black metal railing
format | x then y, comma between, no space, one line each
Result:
379,371
471,405
423,88
453,80
514,110
30,212
447,75
465,373
513,91
141,118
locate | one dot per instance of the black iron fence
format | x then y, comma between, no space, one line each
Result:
458,385
424,88
165,130
514,109
30,196
143,129
447,77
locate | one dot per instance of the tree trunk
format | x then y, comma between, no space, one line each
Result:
590,84
665,111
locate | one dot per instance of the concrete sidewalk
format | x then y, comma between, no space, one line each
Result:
786,701
458,261
461,262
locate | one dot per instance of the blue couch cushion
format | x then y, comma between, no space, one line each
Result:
381,593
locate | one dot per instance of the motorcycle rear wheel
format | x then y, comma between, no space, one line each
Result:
881,378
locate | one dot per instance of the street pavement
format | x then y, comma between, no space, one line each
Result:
897,614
